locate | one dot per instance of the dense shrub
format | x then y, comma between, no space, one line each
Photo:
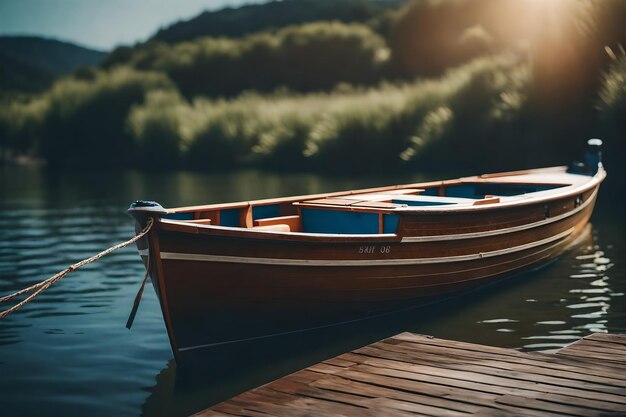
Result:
612,108
565,39
84,120
613,91
156,125
349,129
310,57
20,124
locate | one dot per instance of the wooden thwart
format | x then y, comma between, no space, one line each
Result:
409,374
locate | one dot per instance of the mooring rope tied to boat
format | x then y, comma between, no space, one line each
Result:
40,287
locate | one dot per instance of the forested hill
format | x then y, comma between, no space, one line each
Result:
504,84
30,63
50,55
235,22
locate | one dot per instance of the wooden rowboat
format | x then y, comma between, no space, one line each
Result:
226,273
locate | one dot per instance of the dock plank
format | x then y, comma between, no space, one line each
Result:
557,370
450,381
415,375
548,361
492,374
609,348
466,400
538,356
462,394
608,338
600,346
376,391
495,367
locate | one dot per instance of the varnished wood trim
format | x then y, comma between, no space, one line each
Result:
358,262
214,216
496,232
199,221
292,221
516,201
391,208
186,227
525,172
487,200
245,217
576,186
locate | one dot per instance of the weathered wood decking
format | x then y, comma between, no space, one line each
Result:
408,375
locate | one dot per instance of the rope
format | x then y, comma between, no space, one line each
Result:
40,287
133,311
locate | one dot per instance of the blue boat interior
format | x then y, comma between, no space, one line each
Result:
367,213
178,216
229,217
347,222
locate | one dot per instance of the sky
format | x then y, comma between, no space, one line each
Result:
100,24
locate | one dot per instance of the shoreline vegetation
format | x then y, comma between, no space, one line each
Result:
433,85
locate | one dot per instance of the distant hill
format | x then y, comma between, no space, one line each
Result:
29,63
234,22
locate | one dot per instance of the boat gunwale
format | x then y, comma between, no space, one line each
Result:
484,178
565,191
250,233
387,237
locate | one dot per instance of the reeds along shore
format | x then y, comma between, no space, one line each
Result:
330,96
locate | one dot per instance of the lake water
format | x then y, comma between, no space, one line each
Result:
69,353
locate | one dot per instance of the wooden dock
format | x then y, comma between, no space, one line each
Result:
409,375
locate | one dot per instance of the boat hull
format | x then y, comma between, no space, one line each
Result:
217,288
